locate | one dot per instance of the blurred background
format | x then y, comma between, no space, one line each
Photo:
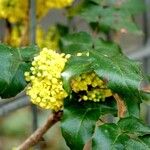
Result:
18,118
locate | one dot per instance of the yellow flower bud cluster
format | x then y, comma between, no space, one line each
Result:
46,87
92,86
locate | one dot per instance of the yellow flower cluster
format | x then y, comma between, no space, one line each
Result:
91,86
13,10
43,39
17,10
46,87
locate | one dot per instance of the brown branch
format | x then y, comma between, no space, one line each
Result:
120,105
38,134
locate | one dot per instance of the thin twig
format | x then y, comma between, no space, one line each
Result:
38,134
120,105
13,105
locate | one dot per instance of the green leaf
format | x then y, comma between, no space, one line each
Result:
136,144
72,43
13,64
133,105
133,125
132,6
109,17
27,53
121,74
127,135
79,120
146,139
91,12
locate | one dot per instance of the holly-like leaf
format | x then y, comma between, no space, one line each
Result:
133,125
121,74
124,76
13,63
126,135
79,120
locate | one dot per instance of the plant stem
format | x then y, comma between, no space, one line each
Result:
38,134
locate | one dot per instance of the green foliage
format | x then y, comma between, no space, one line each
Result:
122,75
129,133
79,121
13,63
82,121
110,15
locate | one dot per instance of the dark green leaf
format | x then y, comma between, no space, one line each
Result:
109,137
136,144
13,64
79,120
123,136
27,53
145,139
122,75
133,125
133,105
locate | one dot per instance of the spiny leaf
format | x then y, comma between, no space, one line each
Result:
79,120
133,125
13,64
124,76
127,135
121,74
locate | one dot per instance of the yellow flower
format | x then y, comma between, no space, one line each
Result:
93,87
46,87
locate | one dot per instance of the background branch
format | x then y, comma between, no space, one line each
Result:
38,134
